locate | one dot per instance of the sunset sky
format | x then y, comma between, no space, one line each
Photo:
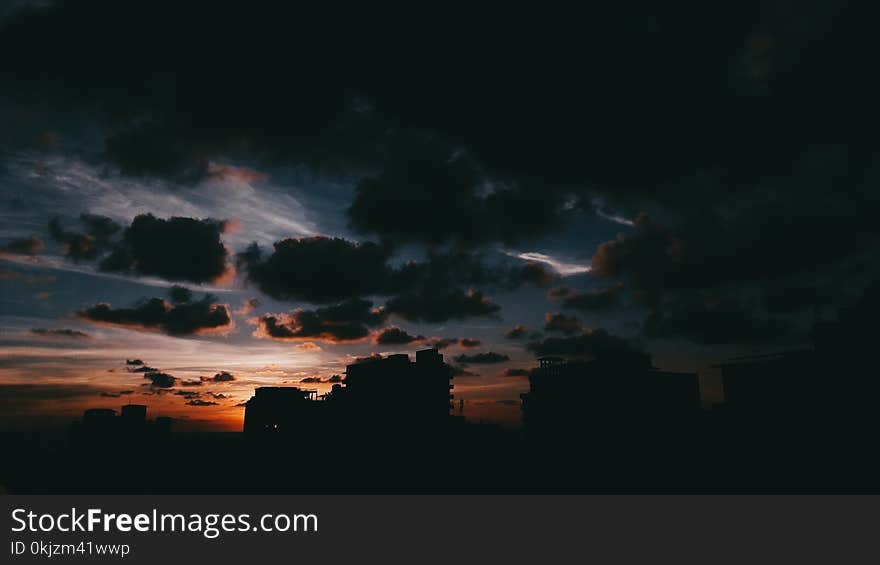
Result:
197,203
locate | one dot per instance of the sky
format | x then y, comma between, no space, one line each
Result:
197,202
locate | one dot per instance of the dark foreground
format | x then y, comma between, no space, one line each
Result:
465,458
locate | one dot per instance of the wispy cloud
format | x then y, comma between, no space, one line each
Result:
562,267
602,212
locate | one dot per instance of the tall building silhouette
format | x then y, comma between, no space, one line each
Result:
393,394
606,397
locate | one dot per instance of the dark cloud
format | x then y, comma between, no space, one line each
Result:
431,191
593,344
64,332
23,246
726,321
482,358
443,342
180,294
191,382
200,402
350,320
517,373
516,332
143,369
369,359
223,377
394,335
556,322
442,305
176,249
749,136
318,269
173,319
429,290
468,342
161,380
335,379
134,362
530,273
187,393
89,243
593,300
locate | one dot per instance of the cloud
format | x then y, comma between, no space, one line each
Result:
482,358
443,342
431,192
469,343
593,344
180,294
61,332
442,305
23,246
231,173
223,377
556,322
563,268
350,320
191,382
161,380
393,335
531,272
134,362
757,172
369,358
200,402
318,269
189,318
176,249
248,306
335,379
594,300
516,373
88,244
428,290
726,321
516,332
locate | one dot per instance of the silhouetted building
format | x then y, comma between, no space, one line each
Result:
134,413
418,391
278,410
101,427
770,383
390,394
99,418
795,404
163,425
606,398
